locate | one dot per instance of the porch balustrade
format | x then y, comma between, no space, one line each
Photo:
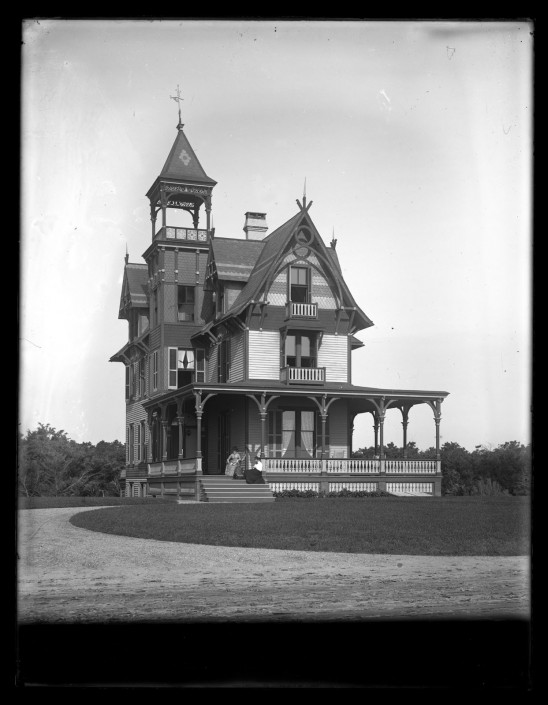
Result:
297,465
171,467
155,469
354,465
303,375
410,467
351,466
301,310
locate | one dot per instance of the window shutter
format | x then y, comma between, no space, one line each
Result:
155,370
172,368
127,381
227,360
138,440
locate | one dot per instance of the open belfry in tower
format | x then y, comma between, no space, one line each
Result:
248,342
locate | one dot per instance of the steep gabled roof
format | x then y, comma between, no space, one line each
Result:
235,259
182,163
274,245
134,287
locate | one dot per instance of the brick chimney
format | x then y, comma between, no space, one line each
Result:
255,226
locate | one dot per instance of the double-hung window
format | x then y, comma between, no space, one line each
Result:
299,285
131,443
185,365
185,303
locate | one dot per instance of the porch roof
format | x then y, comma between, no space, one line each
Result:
361,396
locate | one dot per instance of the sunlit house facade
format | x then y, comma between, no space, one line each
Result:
249,342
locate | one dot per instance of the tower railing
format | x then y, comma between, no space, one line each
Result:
187,234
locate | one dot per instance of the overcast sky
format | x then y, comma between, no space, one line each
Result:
415,142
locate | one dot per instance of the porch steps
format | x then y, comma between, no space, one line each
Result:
221,488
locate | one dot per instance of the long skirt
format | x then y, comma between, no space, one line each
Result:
230,468
254,477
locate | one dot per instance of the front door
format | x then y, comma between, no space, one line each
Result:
223,441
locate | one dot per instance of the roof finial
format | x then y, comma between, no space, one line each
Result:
178,99
304,193
127,254
333,242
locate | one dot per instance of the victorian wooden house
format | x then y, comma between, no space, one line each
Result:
248,342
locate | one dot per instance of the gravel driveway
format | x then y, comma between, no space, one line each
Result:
71,575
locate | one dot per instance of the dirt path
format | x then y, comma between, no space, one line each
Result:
71,575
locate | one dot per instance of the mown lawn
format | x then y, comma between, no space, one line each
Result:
440,526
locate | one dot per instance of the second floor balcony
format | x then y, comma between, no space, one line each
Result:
302,375
296,309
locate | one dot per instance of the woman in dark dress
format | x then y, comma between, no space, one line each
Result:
254,475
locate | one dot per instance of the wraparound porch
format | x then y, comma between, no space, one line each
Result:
189,440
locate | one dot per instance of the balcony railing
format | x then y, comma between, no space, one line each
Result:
187,234
301,310
303,375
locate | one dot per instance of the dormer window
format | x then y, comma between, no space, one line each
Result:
299,284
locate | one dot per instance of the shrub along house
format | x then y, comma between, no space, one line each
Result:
249,343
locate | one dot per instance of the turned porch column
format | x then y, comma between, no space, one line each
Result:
208,212
163,201
437,419
153,220
376,431
404,423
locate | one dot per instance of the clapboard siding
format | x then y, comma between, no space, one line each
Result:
333,355
264,354
237,358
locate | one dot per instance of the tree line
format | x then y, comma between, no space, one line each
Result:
505,469
50,464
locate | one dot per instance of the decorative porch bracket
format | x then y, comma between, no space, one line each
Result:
323,407
199,405
436,408
404,407
379,414
263,413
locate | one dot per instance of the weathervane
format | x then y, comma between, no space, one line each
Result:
178,99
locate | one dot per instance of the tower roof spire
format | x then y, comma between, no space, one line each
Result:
177,98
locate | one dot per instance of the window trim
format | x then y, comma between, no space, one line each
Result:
174,370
